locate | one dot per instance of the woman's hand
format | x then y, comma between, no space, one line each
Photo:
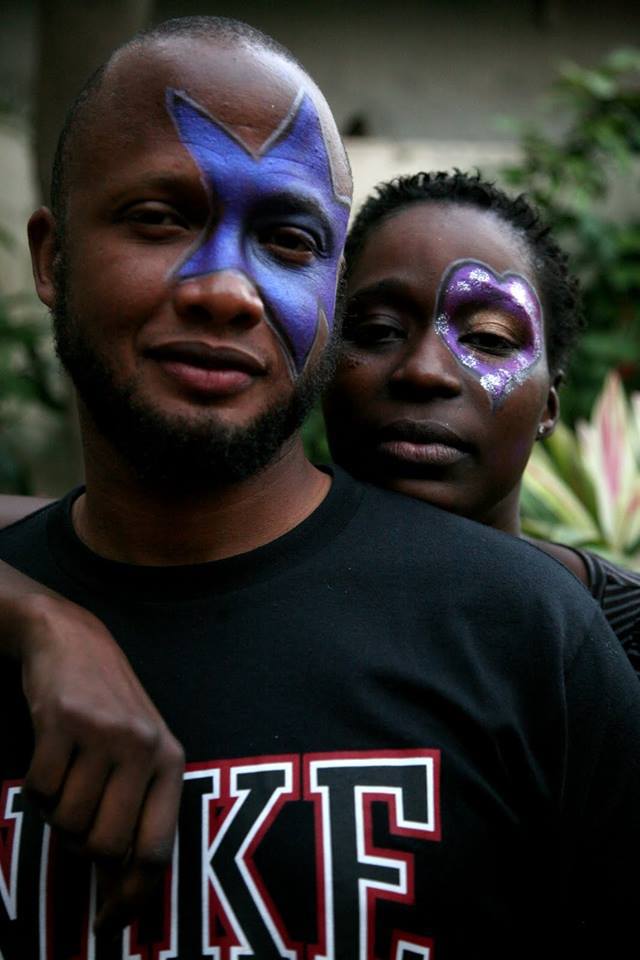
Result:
106,772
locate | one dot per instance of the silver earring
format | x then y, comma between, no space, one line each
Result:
541,431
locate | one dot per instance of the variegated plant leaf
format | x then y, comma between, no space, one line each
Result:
635,425
631,519
583,489
607,452
542,483
562,447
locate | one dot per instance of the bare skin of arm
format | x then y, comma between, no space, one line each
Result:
15,508
106,771
566,556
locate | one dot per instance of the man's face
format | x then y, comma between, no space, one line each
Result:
203,238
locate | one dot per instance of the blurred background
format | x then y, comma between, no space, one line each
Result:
542,95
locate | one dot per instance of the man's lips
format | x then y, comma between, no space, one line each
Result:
205,368
421,442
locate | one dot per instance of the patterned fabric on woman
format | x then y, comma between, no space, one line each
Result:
617,590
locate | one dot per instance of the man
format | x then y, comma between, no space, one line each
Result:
393,749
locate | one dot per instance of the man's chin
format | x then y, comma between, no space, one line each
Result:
195,451
184,452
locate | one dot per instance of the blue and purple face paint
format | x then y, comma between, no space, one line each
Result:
469,285
286,183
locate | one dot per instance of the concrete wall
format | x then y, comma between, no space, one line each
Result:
17,201
436,71
426,80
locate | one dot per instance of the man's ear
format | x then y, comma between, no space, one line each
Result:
551,412
44,248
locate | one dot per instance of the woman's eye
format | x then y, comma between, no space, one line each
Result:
289,243
489,342
491,331
372,332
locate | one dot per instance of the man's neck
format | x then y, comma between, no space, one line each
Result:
123,519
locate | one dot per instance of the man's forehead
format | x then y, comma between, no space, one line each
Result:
242,85
248,89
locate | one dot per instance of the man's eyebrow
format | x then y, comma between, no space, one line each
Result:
164,180
285,201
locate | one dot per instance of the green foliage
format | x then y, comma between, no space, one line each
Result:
315,438
27,382
572,178
582,488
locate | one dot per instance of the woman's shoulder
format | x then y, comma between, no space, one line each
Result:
605,577
573,560
617,590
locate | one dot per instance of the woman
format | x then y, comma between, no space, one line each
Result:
460,317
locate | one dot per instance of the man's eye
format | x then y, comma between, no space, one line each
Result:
289,243
157,217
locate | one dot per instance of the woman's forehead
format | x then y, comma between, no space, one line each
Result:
421,240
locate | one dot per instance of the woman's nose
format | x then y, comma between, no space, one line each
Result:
224,297
427,367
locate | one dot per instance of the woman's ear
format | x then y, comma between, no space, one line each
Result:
551,412
44,249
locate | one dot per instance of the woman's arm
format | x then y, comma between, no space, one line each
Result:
565,555
105,769
15,508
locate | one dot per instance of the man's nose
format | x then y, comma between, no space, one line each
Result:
224,297
427,367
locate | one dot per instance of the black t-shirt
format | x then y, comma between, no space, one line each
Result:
407,736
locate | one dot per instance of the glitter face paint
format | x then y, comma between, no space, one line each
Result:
286,183
468,284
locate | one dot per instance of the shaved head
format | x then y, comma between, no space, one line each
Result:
200,199
241,59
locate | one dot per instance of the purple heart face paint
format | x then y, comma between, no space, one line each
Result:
284,190
469,286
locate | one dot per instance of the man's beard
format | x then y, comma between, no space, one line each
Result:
182,454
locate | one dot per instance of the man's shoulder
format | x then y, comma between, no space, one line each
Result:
407,522
467,558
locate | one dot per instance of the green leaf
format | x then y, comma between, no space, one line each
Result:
570,175
624,60
544,485
584,488
562,448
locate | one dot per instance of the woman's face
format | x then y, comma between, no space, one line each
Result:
442,382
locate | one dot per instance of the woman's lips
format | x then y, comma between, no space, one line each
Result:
429,454
422,443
